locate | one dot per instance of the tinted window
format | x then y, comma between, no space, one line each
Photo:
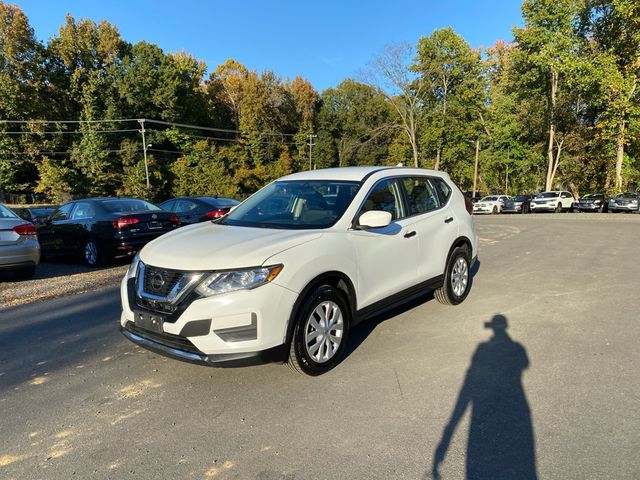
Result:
63,212
549,195
385,196
6,213
185,206
421,196
127,205
443,189
295,204
83,210
169,205
521,198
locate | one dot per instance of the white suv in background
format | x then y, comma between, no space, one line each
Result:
287,273
553,201
490,204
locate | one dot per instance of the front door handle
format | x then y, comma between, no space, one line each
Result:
410,234
448,220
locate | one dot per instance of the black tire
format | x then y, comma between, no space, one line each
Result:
301,356
572,208
495,210
559,207
446,293
25,273
91,253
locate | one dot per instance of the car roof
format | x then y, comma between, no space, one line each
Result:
357,174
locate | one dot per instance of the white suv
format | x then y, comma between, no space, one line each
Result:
287,273
553,201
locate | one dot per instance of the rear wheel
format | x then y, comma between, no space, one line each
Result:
559,208
495,210
321,331
457,278
91,254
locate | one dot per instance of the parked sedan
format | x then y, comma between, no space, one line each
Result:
592,202
490,204
35,214
198,209
103,228
19,248
624,202
518,204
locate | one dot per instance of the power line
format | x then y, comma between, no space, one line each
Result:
70,121
75,132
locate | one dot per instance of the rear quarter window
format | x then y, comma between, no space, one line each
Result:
442,188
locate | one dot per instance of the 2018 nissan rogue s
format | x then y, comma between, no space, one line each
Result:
288,272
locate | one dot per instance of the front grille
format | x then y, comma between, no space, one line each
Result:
167,339
160,307
158,281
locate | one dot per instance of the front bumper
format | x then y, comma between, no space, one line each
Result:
477,210
512,209
164,346
543,207
588,207
21,255
623,208
242,327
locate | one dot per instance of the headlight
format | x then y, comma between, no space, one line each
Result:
133,268
224,282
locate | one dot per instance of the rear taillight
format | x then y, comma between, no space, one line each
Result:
468,205
124,222
25,229
213,214
174,219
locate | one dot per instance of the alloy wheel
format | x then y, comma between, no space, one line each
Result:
324,331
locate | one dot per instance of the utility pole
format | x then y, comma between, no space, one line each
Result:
144,151
311,144
475,168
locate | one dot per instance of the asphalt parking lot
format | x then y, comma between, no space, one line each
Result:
535,375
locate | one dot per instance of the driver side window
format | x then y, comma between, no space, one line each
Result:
385,196
63,212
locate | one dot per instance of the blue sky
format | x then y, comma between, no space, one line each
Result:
322,41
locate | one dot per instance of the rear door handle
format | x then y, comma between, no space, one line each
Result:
410,234
448,220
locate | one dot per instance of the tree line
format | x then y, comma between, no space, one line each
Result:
558,106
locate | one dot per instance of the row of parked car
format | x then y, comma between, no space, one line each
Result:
557,201
96,229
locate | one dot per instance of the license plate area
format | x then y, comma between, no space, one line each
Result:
150,321
154,225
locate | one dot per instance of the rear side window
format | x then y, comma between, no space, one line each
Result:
83,210
385,196
185,206
6,213
421,195
443,189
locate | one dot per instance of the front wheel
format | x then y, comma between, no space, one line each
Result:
559,208
495,210
457,278
321,331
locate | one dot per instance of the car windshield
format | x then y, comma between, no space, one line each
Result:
6,213
594,195
125,205
627,195
549,195
489,199
520,198
295,204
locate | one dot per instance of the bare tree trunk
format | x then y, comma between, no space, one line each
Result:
552,131
438,153
556,161
619,155
475,168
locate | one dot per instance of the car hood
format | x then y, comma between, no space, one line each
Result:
209,246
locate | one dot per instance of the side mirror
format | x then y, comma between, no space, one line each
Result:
374,219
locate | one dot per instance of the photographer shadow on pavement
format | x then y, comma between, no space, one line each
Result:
501,442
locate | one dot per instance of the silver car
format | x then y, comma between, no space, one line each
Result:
19,247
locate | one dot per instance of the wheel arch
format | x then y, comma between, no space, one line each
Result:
461,242
336,279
